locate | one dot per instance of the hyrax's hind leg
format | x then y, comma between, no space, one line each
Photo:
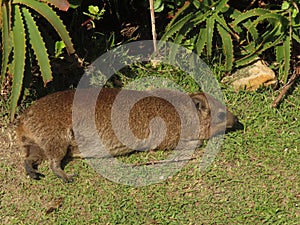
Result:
31,165
55,165
34,154
34,157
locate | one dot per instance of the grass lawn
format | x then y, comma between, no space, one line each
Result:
255,179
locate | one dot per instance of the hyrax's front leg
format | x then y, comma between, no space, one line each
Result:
55,165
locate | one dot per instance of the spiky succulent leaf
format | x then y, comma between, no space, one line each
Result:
18,64
275,20
6,46
47,12
177,26
227,47
201,40
296,37
179,13
252,30
283,56
61,4
38,46
249,58
220,20
248,14
210,25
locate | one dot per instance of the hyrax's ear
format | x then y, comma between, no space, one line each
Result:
200,102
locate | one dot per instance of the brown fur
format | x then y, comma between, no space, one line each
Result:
45,130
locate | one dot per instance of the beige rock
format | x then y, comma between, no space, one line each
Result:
252,77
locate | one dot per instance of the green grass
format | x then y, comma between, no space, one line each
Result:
255,179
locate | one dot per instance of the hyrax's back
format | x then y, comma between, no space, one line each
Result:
46,131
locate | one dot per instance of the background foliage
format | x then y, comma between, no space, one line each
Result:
241,35
19,33
255,177
227,34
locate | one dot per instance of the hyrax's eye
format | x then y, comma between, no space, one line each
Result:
221,115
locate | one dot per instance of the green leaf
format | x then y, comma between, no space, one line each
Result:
274,19
61,4
221,6
296,37
6,45
210,25
158,5
246,60
248,14
252,30
201,40
59,46
283,57
47,12
196,3
38,46
295,13
220,19
18,64
285,5
263,46
178,39
177,26
94,10
179,13
201,17
227,47
75,3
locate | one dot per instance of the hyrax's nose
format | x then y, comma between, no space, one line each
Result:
237,124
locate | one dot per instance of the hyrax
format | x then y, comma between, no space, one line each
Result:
46,131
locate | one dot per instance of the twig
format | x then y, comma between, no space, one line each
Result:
250,5
153,24
285,88
162,161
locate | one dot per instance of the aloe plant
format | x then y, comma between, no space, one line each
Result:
208,26
18,24
202,21
289,9
258,41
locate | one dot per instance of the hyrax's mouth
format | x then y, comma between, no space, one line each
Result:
236,125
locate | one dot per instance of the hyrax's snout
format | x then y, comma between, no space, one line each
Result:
231,121
221,118
235,125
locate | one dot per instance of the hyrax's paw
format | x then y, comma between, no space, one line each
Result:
35,175
69,178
